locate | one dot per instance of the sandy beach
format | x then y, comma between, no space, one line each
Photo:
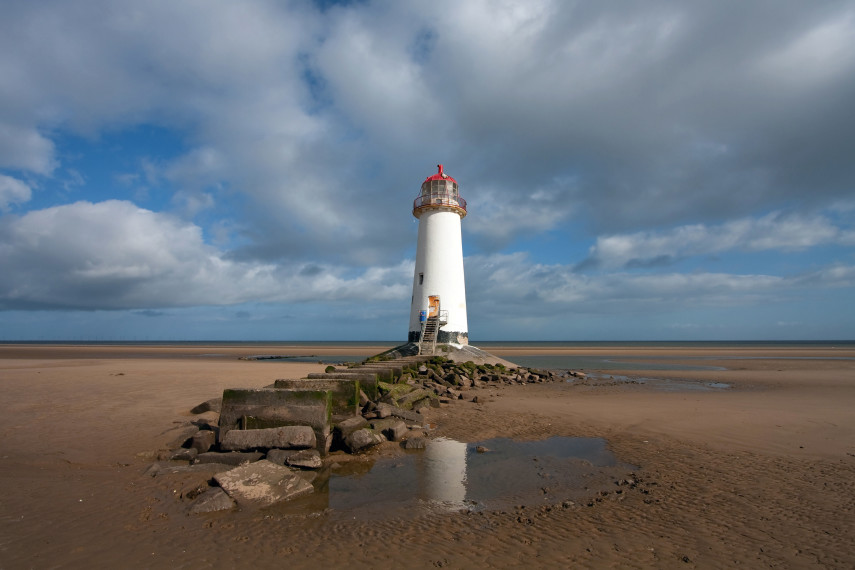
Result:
749,463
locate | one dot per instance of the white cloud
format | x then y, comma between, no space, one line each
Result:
515,286
114,255
24,148
12,191
775,231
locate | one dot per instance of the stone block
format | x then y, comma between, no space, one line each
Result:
305,459
185,454
180,436
417,442
411,398
394,392
203,440
346,427
262,483
384,372
367,380
278,456
362,439
393,428
383,410
271,407
231,458
344,392
406,415
285,437
212,405
212,500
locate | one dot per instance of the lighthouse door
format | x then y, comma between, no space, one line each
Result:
433,306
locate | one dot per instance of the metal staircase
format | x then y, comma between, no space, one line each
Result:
427,342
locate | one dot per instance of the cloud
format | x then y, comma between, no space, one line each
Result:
515,286
24,148
12,191
775,231
114,255
297,135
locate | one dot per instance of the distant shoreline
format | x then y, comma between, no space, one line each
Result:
485,344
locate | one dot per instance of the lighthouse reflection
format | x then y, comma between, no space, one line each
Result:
444,472
449,475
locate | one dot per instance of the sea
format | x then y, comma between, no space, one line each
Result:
353,351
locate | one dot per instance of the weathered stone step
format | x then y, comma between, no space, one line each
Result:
345,391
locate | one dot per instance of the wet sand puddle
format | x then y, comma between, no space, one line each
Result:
451,475
662,384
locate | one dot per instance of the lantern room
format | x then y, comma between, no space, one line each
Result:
439,192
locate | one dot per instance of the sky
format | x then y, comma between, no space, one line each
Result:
217,170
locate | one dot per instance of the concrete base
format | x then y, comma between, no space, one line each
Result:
442,337
455,352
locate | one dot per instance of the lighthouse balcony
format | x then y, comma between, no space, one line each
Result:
440,200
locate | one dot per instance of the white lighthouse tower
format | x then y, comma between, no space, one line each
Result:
438,310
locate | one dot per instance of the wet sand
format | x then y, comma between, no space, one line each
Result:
758,474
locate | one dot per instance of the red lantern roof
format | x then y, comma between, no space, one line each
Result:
440,175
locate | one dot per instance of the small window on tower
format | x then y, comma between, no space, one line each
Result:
421,278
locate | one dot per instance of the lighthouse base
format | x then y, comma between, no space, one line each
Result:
442,337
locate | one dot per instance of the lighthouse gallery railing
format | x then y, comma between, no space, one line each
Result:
439,199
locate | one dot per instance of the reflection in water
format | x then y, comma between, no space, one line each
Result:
450,475
444,469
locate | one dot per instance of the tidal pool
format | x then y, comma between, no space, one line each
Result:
451,475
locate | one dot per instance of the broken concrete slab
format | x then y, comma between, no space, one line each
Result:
285,437
262,484
229,458
211,501
271,407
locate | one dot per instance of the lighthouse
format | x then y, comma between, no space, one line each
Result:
438,309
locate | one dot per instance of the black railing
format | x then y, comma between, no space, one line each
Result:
443,199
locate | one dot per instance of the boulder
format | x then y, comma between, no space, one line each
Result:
278,456
262,483
212,500
362,439
285,437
